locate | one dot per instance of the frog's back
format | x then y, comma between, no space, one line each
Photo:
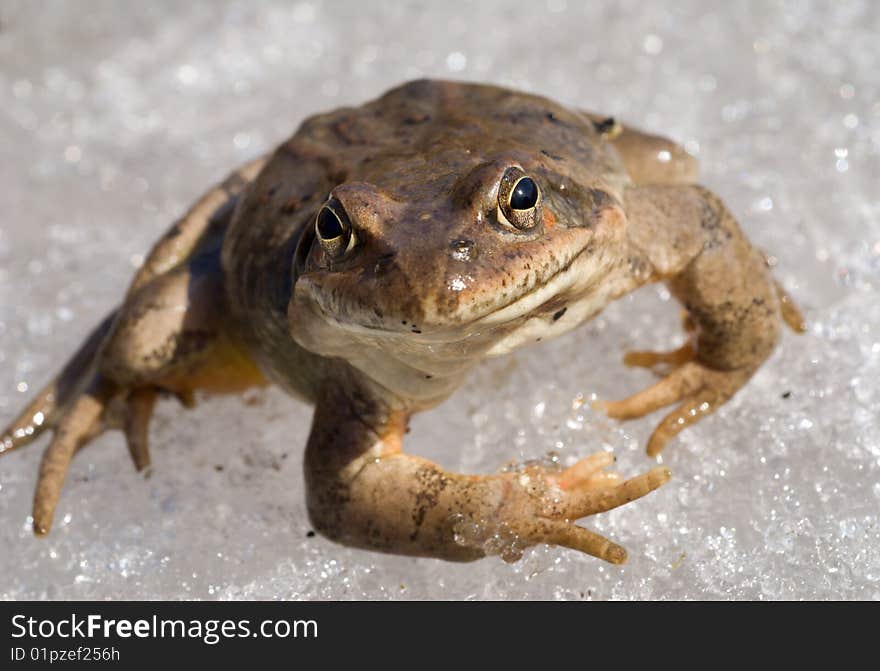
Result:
429,114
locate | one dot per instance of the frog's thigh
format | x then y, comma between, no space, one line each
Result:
213,209
652,159
694,244
169,334
648,159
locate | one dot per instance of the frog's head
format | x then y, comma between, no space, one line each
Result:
465,241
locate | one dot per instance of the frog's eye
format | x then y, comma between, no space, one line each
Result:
333,230
519,200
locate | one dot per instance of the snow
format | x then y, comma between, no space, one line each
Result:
113,120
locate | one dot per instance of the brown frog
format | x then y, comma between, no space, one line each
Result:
382,252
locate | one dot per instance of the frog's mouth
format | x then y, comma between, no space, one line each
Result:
549,290
444,348
549,295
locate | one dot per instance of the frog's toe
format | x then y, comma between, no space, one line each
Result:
681,383
585,501
46,408
589,498
698,389
38,416
590,473
664,362
587,471
566,534
691,411
660,360
102,406
81,422
791,313
139,411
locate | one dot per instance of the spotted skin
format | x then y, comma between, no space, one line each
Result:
424,266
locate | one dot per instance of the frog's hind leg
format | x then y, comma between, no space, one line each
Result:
139,411
101,406
81,422
211,213
698,389
653,159
49,404
735,307
167,335
663,362
648,159
77,406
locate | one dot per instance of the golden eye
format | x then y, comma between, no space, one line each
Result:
333,230
519,200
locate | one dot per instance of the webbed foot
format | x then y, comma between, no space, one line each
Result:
101,406
698,389
541,506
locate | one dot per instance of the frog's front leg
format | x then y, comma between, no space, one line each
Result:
735,308
365,492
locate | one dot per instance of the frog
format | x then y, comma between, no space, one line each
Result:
369,263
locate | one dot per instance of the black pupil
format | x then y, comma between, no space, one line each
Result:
525,194
329,226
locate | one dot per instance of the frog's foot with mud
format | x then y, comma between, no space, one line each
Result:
541,506
363,490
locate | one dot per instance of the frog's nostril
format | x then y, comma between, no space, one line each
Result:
463,250
383,263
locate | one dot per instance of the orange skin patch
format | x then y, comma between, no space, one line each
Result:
225,370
